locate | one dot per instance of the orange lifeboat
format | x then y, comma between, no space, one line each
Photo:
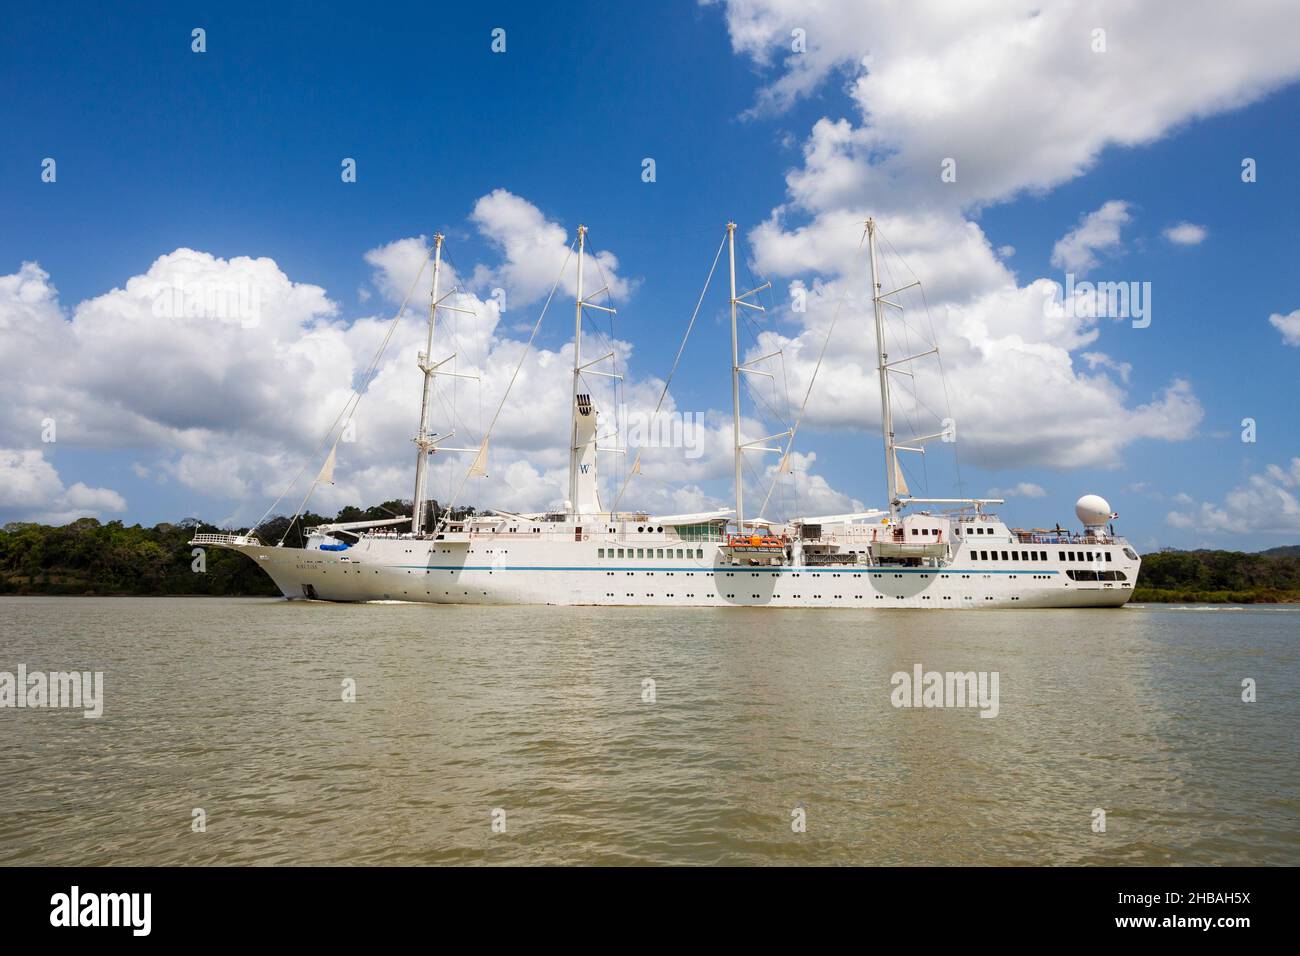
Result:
755,542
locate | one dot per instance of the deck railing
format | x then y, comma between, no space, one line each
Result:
224,539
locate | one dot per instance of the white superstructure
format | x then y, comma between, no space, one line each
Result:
917,553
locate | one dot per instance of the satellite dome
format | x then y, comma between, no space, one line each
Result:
1093,510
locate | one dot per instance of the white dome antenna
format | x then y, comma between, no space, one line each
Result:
1094,511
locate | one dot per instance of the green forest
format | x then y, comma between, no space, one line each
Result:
89,557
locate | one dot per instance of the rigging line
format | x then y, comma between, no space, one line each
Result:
913,392
515,375
663,393
757,399
794,430
353,400
617,388
943,376
785,379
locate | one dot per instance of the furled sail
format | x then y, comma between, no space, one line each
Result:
326,476
479,468
900,484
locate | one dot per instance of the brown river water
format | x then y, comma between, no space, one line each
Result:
507,735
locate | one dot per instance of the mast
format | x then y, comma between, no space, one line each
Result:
882,358
575,450
424,442
735,383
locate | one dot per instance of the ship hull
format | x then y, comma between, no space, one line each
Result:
532,573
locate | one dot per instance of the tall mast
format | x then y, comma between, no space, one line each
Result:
424,442
882,358
735,382
575,448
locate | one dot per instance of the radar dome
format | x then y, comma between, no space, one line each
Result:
1093,510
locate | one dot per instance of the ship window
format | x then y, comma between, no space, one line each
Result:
1015,555
984,555
1004,555
600,552
660,553
640,552
699,552
1108,555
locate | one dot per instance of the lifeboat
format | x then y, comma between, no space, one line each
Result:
760,543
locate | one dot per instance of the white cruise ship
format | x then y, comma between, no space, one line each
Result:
941,553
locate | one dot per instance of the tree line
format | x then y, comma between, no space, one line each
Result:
1224,577
90,557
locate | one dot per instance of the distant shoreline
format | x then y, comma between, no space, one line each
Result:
1161,596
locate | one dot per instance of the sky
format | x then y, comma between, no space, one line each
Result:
193,282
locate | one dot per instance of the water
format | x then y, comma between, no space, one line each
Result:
234,706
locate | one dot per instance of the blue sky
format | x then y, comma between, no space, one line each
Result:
236,152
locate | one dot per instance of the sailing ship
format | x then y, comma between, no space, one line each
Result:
917,552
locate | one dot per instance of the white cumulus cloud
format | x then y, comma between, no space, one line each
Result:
1288,325
1097,232
1268,502
1186,234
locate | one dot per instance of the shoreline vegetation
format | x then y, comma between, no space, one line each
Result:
87,557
